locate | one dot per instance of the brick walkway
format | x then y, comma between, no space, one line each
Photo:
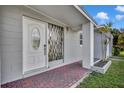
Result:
62,77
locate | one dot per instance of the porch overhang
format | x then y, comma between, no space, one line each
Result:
67,15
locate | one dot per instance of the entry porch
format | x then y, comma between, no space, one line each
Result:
62,77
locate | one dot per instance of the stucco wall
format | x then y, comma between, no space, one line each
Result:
0,66
111,45
97,45
86,45
11,41
73,50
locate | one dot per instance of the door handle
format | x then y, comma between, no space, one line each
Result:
45,49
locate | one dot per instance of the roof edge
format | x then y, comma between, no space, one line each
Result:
84,12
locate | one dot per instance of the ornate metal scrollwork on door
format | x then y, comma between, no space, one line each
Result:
55,42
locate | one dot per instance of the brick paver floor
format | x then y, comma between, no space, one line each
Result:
62,77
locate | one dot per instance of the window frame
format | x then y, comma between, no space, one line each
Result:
81,39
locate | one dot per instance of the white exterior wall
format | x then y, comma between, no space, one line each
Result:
108,49
88,45
0,62
72,49
11,41
97,45
111,45
0,66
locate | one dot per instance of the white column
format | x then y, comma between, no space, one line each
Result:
88,45
91,44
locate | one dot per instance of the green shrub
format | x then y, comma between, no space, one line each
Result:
116,51
122,49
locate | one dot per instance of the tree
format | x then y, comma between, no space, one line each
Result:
121,40
115,32
106,27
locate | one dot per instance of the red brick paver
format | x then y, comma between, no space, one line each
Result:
61,77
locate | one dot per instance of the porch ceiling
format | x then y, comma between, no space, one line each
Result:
66,14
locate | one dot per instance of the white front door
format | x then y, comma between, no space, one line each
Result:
34,44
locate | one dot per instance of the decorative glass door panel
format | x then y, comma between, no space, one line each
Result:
33,44
55,42
35,38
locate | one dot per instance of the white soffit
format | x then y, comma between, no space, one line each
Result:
84,13
66,14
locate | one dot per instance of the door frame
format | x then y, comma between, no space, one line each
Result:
24,58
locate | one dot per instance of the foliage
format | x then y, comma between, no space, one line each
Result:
103,29
115,39
118,37
113,78
116,51
106,28
121,39
121,54
115,31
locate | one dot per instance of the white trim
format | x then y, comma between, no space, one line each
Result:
91,44
84,14
64,53
99,26
102,69
97,61
55,63
76,6
47,35
23,45
45,15
81,33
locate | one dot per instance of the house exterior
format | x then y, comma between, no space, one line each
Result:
35,39
101,50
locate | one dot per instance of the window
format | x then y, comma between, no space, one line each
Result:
35,38
81,39
55,42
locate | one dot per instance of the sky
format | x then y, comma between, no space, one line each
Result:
107,13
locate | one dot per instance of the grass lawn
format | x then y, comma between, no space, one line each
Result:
121,54
113,78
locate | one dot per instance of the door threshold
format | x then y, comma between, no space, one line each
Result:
55,63
34,72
